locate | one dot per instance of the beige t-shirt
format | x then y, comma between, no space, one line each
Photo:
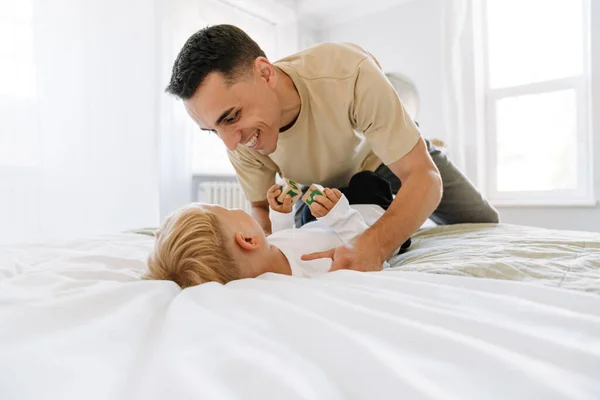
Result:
351,120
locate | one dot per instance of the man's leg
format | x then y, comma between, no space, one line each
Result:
461,201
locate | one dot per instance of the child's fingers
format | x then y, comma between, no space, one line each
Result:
274,191
324,201
337,193
318,210
330,193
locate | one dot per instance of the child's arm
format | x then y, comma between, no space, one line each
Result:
280,221
279,213
336,212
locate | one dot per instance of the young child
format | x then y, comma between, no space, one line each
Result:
202,243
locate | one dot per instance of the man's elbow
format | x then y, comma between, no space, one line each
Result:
436,188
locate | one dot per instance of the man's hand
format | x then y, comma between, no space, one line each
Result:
420,194
272,194
357,257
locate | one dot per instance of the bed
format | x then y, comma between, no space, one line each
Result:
470,312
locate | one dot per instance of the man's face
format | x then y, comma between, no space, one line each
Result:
245,113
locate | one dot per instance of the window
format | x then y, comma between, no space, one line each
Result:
536,87
209,152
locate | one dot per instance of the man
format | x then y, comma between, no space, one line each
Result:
320,116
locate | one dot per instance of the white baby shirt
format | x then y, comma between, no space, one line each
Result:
343,223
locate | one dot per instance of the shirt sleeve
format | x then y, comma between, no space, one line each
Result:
280,221
345,221
377,111
254,176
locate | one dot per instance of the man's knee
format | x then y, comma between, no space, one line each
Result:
491,215
486,214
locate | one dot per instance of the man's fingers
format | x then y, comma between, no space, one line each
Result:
336,265
319,254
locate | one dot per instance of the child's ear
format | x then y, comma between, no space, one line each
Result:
246,242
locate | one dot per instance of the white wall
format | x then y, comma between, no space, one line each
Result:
406,39
95,168
409,38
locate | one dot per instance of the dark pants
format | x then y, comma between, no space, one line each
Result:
461,201
364,188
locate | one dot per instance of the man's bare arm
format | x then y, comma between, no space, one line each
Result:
416,200
418,197
260,212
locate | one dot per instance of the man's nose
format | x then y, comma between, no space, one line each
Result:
231,139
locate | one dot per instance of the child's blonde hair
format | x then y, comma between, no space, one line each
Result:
191,248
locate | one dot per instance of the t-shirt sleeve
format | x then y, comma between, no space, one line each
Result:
280,221
377,111
254,177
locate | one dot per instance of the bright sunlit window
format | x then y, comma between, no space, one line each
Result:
536,58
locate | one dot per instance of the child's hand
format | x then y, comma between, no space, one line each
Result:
324,204
272,194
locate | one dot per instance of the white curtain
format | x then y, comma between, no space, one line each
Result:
78,112
454,18
89,142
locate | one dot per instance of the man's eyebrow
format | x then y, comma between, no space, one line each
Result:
223,116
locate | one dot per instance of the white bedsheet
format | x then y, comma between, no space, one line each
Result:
76,323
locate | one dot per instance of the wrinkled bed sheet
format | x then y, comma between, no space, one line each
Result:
77,323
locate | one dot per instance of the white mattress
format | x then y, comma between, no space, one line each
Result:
76,323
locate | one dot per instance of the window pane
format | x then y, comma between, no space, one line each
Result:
533,40
210,155
537,142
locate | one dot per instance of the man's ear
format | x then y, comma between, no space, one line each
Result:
248,243
265,70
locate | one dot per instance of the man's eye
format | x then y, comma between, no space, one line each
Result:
233,119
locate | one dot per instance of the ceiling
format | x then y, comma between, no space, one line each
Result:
316,14
320,14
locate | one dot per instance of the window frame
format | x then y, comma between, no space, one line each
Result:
583,195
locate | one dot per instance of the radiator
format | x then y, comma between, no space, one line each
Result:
226,194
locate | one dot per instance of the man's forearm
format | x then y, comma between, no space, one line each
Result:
260,212
416,200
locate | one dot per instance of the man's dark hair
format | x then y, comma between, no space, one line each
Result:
220,48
